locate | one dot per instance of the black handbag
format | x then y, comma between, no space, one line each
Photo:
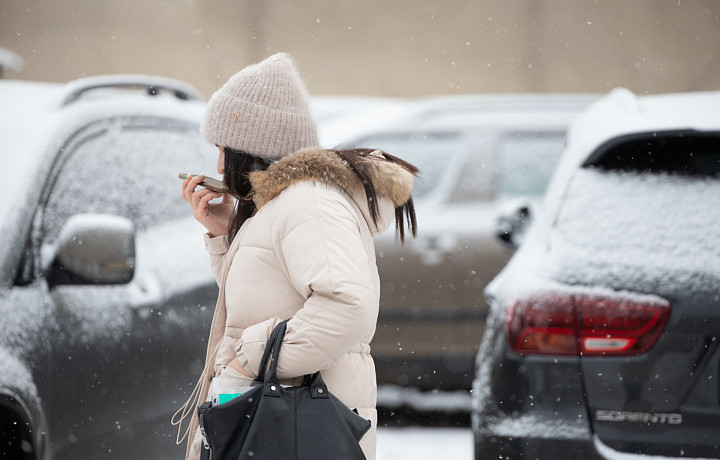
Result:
271,421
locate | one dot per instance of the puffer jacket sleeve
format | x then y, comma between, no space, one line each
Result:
217,247
317,237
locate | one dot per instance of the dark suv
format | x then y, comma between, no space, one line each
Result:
602,341
104,288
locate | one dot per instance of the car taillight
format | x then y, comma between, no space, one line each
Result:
585,325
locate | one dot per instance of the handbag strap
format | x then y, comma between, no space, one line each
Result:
276,336
318,389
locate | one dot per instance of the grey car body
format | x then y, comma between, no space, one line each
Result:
479,156
105,292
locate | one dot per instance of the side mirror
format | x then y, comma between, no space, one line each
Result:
93,249
512,225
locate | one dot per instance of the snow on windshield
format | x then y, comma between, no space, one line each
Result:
131,171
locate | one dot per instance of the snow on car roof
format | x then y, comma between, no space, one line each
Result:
622,112
453,112
325,108
336,130
151,84
31,118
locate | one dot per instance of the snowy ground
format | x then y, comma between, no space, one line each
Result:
424,443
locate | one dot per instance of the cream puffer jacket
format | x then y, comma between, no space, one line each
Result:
306,255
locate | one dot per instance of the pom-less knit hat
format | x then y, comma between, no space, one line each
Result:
263,110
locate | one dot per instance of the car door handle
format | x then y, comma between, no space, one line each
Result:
433,249
145,295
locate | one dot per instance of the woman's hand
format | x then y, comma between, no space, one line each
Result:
214,217
235,364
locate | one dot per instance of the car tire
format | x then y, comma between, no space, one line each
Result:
15,439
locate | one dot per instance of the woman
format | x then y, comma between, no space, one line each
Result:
297,245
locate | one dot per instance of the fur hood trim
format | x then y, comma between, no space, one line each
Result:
391,180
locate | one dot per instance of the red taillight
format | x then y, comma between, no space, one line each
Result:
572,324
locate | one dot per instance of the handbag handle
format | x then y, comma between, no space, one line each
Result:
272,371
279,330
318,389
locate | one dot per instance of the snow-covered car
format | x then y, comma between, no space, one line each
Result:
326,110
602,340
105,292
477,155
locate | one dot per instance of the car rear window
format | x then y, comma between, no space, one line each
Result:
689,153
643,215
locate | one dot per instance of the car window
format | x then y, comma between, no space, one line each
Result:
673,152
645,205
440,156
473,175
429,152
128,168
526,162
630,224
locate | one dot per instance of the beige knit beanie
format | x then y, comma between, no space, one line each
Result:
263,110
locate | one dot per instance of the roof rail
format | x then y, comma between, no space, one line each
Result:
154,85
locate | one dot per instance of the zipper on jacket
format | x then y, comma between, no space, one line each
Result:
295,437
205,440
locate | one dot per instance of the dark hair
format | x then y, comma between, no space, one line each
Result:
238,164
406,210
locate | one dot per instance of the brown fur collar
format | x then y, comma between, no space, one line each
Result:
391,180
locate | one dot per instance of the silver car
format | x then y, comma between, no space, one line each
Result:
478,156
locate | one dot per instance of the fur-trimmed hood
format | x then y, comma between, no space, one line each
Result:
393,183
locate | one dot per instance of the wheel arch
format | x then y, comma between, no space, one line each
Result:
21,411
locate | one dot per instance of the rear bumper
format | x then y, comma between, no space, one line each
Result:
493,446
529,407
489,447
